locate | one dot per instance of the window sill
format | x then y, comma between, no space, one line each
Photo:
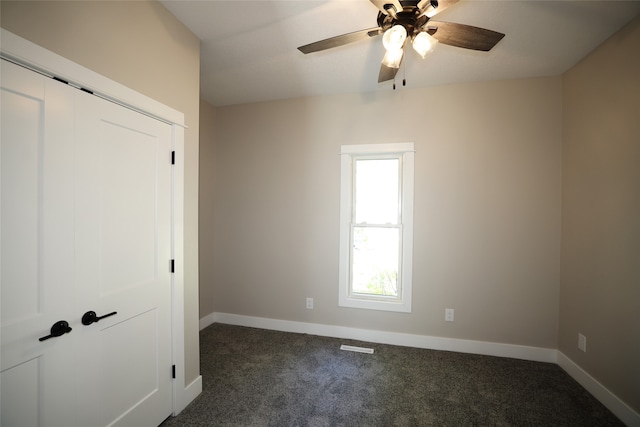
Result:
375,304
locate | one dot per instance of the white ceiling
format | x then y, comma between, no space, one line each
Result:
249,48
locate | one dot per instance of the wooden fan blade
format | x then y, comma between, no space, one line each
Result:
386,73
465,36
340,40
430,11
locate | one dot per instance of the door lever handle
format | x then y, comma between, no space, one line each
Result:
58,329
91,317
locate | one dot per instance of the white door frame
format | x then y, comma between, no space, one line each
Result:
39,59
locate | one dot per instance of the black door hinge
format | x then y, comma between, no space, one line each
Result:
173,266
173,372
173,157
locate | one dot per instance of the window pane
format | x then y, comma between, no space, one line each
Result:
376,191
375,261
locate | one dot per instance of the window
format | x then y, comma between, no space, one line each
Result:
376,226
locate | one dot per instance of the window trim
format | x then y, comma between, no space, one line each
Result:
348,154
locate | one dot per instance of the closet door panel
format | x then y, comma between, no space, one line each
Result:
123,244
37,291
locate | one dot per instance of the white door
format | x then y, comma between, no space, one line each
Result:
85,233
36,380
123,264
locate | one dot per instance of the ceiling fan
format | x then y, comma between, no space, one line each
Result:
404,21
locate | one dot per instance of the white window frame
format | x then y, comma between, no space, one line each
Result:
349,154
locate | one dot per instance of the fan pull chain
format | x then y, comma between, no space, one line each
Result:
404,79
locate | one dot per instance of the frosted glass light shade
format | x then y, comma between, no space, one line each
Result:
424,44
394,37
392,58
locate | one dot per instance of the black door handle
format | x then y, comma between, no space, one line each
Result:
91,317
58,329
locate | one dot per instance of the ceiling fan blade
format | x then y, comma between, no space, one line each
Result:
340,40
427,9
380,4
464,36
386,73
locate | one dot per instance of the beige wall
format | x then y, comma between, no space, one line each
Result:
600,280
206,206
140,45
487,207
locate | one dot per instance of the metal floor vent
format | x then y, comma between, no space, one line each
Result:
356,349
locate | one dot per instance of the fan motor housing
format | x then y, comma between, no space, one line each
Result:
410,17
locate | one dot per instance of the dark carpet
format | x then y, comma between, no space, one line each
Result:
255,377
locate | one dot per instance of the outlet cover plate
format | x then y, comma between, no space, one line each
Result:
582,342
448,314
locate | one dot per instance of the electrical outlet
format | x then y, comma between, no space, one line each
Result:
582,342
310,303
448,314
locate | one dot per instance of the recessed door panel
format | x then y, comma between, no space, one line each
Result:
21,153
128,198
128,370
20,405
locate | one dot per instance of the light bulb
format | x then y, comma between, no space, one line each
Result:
423,43
394,37
392,58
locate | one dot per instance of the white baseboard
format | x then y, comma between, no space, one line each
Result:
190,392
394,338
600,392
207,320
193,390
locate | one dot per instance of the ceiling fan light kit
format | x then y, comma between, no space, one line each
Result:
424,44
393,58
394,37
400,21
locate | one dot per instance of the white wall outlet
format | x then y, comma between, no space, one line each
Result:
310,303
582,342
448,314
